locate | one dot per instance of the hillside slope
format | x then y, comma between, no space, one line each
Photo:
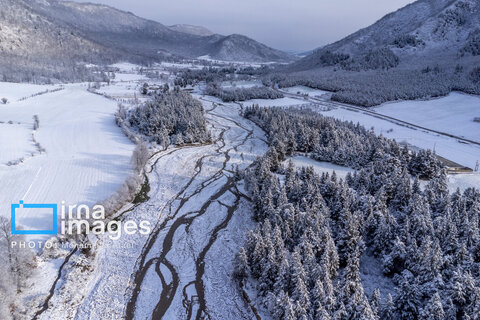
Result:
32,47
441,30
426,49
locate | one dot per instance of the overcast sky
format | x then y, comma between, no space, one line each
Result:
282,24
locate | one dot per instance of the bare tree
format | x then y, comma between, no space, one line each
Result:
140,156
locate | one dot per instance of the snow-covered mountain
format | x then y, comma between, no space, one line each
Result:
195,30
31,44
124,30
442,30
34,32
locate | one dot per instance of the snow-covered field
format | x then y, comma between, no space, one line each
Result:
15,141
453,114
282,102
17,91
464,154
463,181
87,156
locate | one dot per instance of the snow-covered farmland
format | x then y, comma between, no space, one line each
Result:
453,114
15,141
16,91
87,156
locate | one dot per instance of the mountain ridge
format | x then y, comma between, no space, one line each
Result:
420,29
49,39
191,29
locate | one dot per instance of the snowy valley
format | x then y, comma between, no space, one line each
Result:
199,209
169,172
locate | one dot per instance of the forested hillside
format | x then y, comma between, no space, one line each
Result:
426,49
314,232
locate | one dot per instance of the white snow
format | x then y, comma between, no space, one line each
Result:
16,91
241,84
453,114
15,141
463,181
282,102
87,156
321,167
307,91
450,148
372,277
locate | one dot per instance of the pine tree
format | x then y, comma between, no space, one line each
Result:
388,310
433,310
407,301
375,303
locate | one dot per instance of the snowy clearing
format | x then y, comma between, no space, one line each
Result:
282,102
307,91
321,167
463,181
240,84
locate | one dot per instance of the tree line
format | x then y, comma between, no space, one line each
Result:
374,87
241,94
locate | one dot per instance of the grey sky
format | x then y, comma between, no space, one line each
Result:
282,24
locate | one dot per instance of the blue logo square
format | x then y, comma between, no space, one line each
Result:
54,209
